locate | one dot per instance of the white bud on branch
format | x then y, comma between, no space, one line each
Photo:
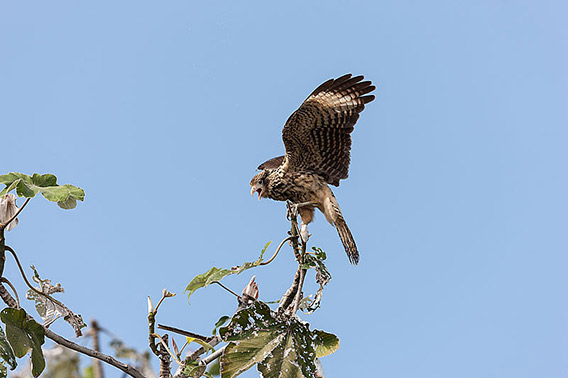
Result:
8,209
150,306
251,289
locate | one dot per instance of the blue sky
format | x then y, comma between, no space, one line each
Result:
161,112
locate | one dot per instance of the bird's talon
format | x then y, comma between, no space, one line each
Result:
292,210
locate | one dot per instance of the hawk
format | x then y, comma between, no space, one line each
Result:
317,138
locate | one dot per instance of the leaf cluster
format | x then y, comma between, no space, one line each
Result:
28,186
280,346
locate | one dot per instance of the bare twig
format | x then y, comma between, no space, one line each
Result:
5,224
160,349
92,353
151,339
5,280
226,288
165,294
185,333
277,250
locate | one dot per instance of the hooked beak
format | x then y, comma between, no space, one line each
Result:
257,190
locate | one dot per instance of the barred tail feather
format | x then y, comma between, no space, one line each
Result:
347,240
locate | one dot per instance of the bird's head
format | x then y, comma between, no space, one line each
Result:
258,184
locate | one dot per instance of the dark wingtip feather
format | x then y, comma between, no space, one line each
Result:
367,99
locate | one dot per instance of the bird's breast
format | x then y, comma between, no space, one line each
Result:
297,187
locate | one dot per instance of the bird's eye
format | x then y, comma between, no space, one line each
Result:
260,181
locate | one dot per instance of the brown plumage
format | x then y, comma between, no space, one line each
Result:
318,144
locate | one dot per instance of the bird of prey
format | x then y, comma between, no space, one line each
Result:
317,138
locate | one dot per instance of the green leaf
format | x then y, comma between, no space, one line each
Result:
44,180
66,195
26,189
214,368
283,362
6,352
222,320
19,340
204,344
36,334
205,279
193,369
316,261
13,176
63,193
280,347
9,188
68,204
24,334
239,357
217,274
325,343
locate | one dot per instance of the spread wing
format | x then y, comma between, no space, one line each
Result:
272,163
317,135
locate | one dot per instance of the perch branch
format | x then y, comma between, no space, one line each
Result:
291,299
298,297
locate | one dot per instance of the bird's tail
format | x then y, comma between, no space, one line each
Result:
347,239
333,215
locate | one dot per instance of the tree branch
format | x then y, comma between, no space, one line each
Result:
92,353
291,299
290,294
298,297
213,356
11,302
165,358
185,333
